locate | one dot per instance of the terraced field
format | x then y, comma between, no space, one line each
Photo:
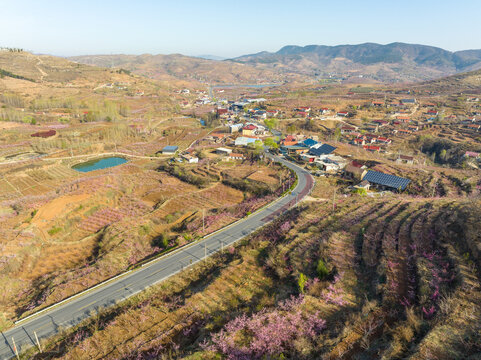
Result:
397,278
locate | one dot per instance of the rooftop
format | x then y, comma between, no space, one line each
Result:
392,181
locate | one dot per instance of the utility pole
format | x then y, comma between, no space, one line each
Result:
203,220
15,348
205,251
38,342
334,200
221,246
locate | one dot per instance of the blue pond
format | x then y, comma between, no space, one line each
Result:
99,164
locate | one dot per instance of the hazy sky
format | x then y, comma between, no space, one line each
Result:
230,28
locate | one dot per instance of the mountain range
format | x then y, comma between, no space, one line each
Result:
369,62
391,62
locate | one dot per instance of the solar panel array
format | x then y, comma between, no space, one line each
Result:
324,149
392,181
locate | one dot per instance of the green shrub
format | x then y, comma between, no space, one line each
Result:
302,282
322,270
54,230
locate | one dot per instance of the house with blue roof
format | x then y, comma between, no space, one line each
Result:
170,150
309,143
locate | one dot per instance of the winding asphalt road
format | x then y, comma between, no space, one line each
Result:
70,313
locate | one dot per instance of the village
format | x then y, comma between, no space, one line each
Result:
332,141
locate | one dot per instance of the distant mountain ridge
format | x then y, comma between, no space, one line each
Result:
368,62
381,62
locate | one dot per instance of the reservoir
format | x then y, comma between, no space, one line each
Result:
99,164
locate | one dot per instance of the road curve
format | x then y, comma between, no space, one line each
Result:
79,308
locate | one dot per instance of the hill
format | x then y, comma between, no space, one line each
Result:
469,82
180,67
49,69
391,62
391,278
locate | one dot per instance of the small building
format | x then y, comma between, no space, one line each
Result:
408,101
343,114
190,158
223,151
170,150
347,129
236,156
363,185
235,127
249,130
386,181
222,111
381,122
324,149
403,119
405,159
309,143
354,172
295,149
244,141
372,148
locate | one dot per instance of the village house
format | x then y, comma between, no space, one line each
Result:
386,181
372,128
343,114
377,103
403,119
223,151
170,150
190,158
354,171
235,127
330,163
402,132
289,140
381,123
359,141
324,111
372,148
222,111
408,101
249,130
294,149
245,141
383,140
405,159
236,156
347,129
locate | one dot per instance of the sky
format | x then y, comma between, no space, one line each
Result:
231,28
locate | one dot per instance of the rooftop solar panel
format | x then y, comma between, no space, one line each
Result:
391,181
324,149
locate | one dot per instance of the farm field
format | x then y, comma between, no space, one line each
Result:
65,231
408,289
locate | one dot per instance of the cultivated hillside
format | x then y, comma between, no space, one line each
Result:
392,279
170,67
469,82
50,69
392,62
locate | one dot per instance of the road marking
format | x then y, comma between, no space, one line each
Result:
93,302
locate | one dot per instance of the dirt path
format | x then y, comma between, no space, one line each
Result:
37,66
